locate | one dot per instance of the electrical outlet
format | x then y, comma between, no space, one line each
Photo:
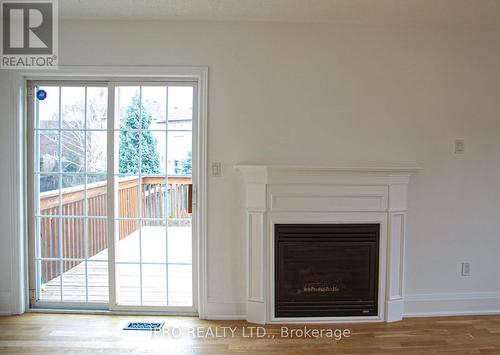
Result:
459,146
465,269
216,169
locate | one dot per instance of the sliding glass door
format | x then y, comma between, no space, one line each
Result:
69,184
111,184
153,185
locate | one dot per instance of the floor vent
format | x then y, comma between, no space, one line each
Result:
143,326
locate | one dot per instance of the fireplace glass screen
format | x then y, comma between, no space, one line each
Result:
325,270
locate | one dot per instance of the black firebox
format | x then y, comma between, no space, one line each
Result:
326,270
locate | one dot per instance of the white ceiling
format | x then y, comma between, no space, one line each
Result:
464,13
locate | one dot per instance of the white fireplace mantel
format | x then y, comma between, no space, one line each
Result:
307,194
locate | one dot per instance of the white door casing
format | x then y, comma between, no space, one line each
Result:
19,294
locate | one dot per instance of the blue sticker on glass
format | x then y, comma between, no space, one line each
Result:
41,94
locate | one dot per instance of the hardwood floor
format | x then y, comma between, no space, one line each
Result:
35,333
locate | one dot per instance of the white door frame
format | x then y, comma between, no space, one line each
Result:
20,278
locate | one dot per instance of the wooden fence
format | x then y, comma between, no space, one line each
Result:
160,198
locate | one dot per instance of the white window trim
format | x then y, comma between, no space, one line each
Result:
19,277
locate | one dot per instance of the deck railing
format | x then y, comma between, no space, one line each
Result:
161,198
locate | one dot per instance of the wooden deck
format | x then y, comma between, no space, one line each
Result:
103,334
154,280
160,197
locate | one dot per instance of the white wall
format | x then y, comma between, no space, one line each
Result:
324,95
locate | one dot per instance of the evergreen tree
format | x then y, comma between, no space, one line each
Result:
129,142
185,166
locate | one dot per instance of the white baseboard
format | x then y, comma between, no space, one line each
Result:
452,304
225,309
228,317
415,305
5,304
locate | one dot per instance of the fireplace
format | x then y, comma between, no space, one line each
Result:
326,270
324,244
